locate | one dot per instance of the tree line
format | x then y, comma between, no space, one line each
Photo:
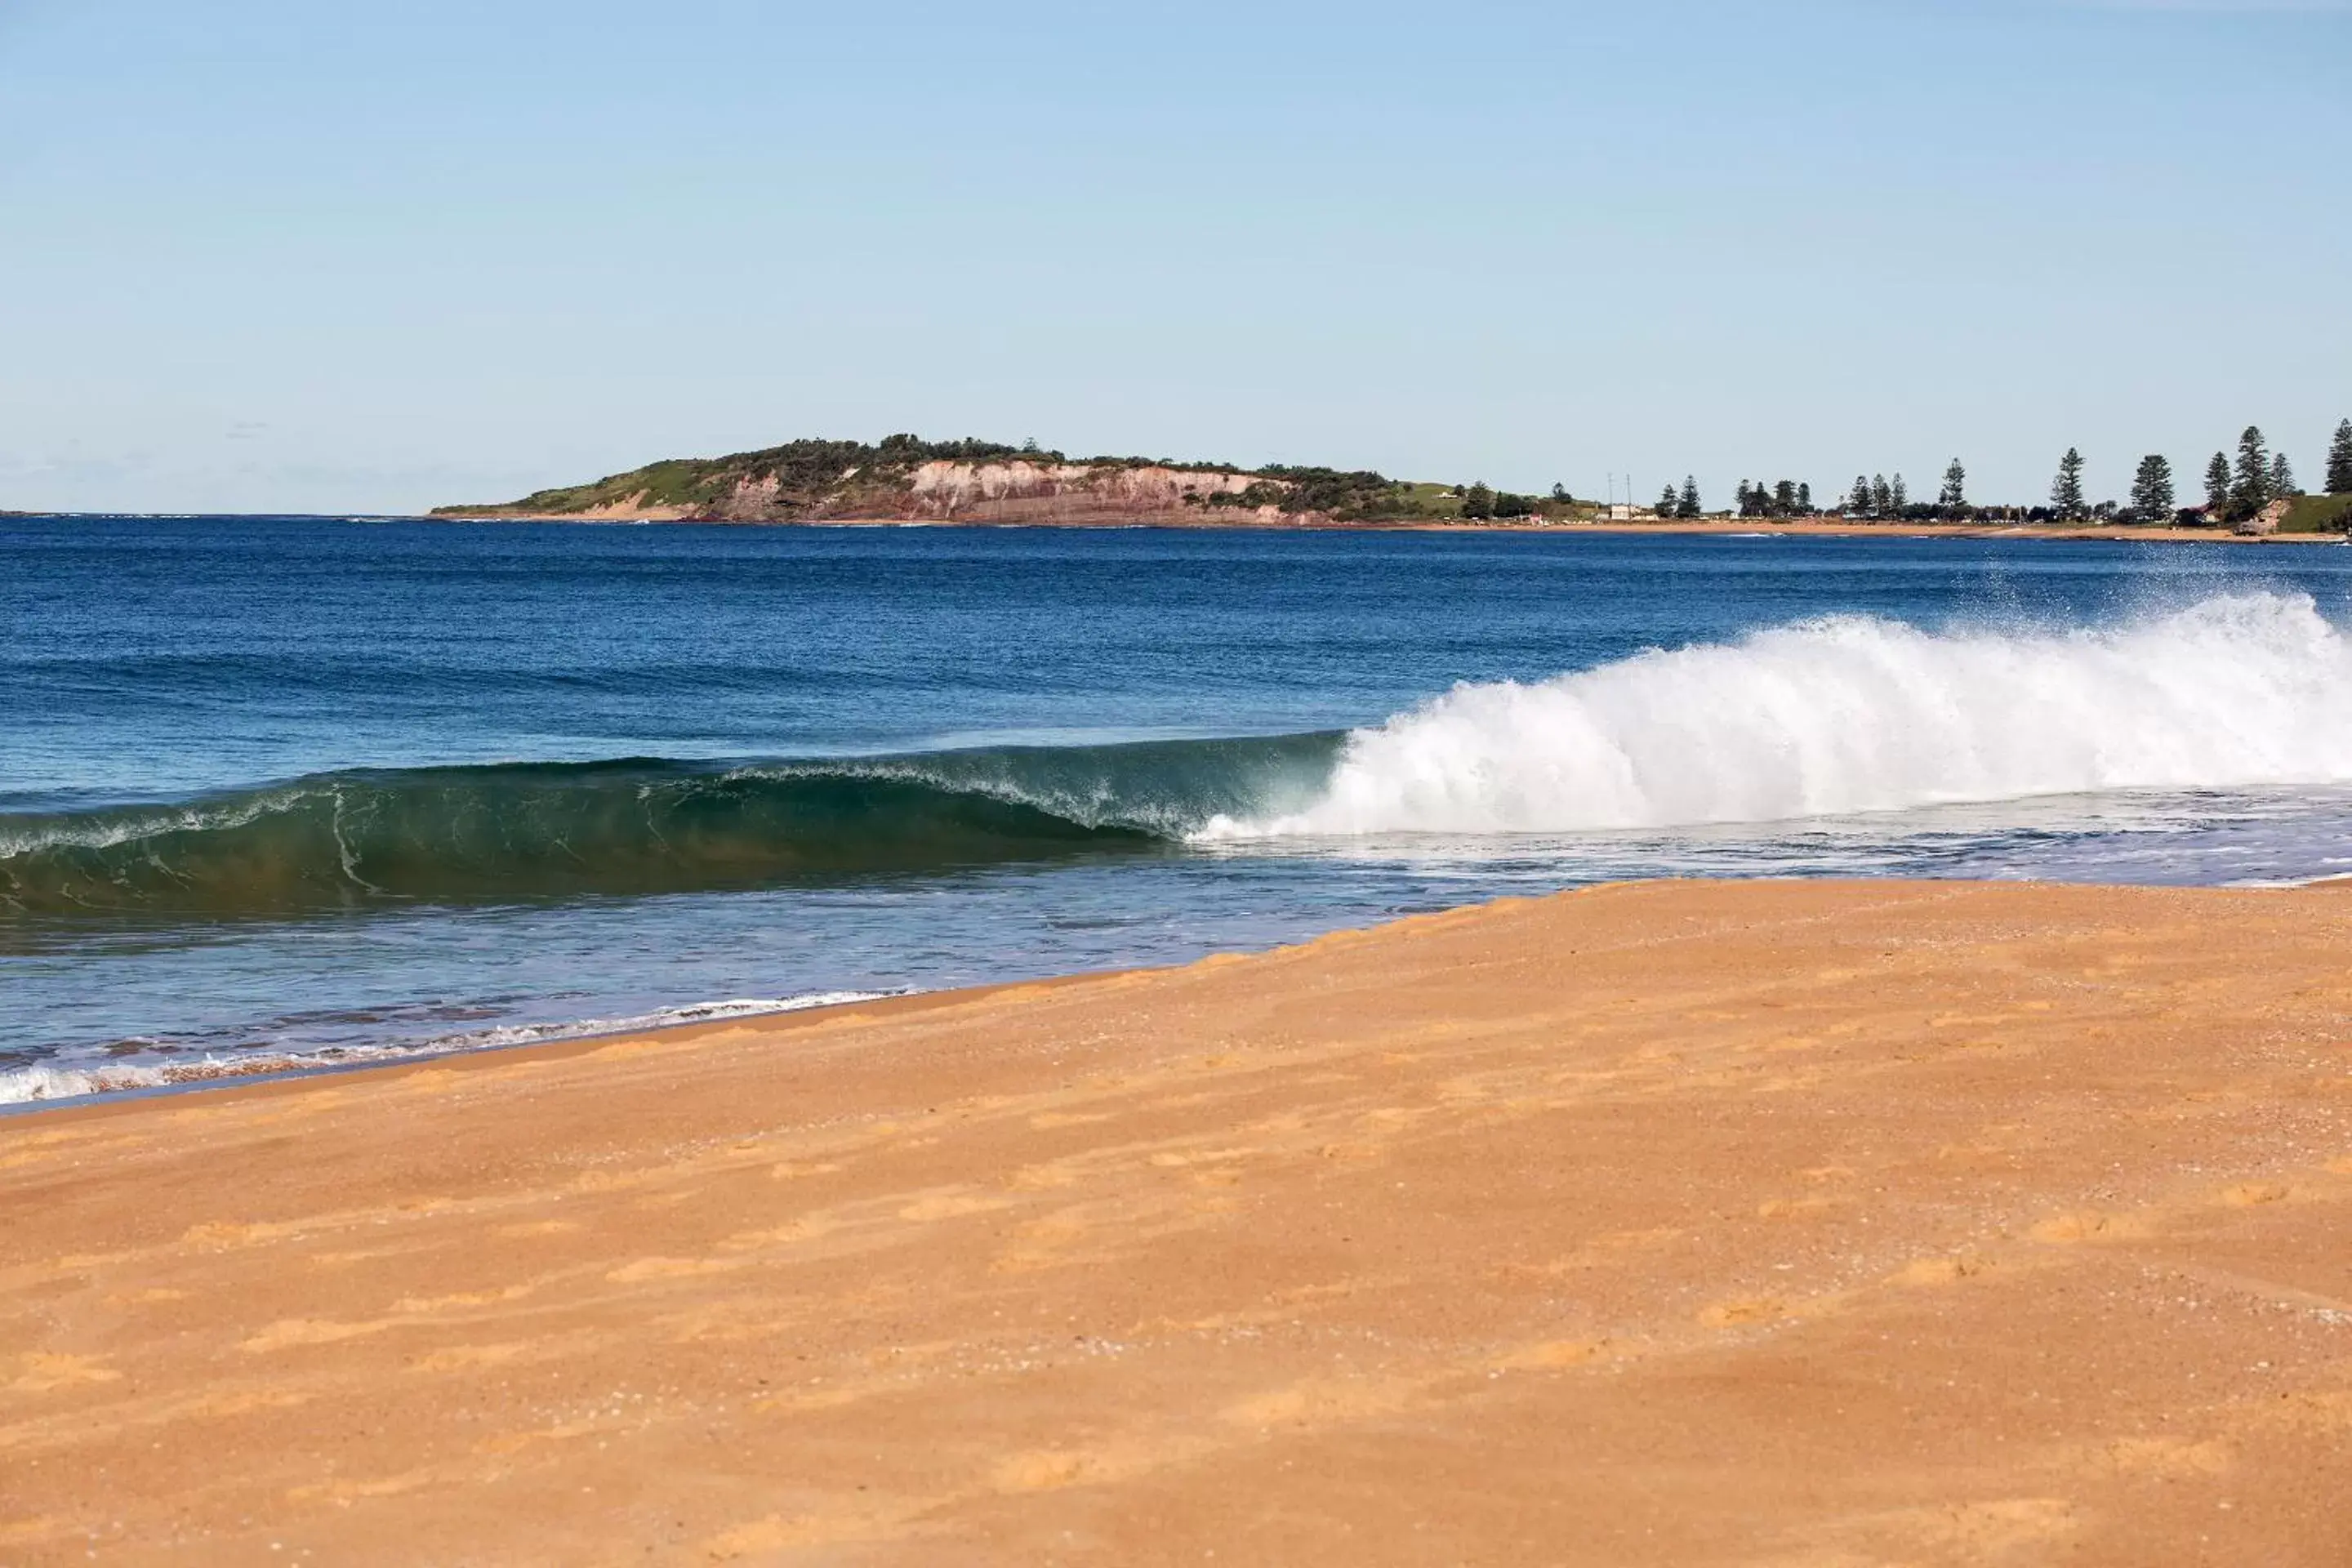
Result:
2235,490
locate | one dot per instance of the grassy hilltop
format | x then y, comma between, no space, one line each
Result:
907,477
2318,515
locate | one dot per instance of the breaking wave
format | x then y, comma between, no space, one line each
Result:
1832,716
527,831
1850,714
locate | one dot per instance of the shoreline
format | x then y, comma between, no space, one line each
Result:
1758,527
2117,533
279,1080
265,1079
1661,1222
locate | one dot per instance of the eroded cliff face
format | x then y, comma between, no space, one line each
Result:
948,489
633,508
1007,492
1016,491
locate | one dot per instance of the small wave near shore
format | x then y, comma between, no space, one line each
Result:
46,1081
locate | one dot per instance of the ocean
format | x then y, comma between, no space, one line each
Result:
283,792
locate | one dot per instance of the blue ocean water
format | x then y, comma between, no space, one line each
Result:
278,789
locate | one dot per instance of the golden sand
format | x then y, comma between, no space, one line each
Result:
1769,1224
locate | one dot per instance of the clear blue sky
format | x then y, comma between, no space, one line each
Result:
264,254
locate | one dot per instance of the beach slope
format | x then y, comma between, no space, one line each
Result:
1770,1223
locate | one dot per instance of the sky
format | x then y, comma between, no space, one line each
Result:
271,255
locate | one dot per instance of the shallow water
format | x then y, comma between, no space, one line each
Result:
279,787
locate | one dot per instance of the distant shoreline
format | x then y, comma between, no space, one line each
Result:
906,479
2118,532
1825,528
1189,522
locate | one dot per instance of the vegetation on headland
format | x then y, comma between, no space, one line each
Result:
1353,496
2318,515
810,481
810,474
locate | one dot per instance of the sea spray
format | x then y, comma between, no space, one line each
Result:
1845,714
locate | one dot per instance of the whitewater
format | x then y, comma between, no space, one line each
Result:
1849,713
26,1085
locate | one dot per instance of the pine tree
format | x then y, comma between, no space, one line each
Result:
1478,501
2249,486
1745,500
2152,494
1954,497
1784,500
1805,499
1687,505
1898,496
1882,498
1858,503
2281,477
2339,461
2066,490
2217,488
1668,502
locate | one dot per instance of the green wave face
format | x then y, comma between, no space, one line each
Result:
538,831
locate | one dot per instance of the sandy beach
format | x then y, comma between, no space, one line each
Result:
1769,1224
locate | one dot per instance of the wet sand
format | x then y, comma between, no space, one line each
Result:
1769,1224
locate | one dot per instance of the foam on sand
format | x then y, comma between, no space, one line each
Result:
45,1081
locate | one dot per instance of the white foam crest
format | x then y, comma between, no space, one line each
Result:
1855,714
52,1081
19,1086
136,823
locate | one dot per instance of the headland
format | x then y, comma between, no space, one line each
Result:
1672,1223
905,479
975,483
